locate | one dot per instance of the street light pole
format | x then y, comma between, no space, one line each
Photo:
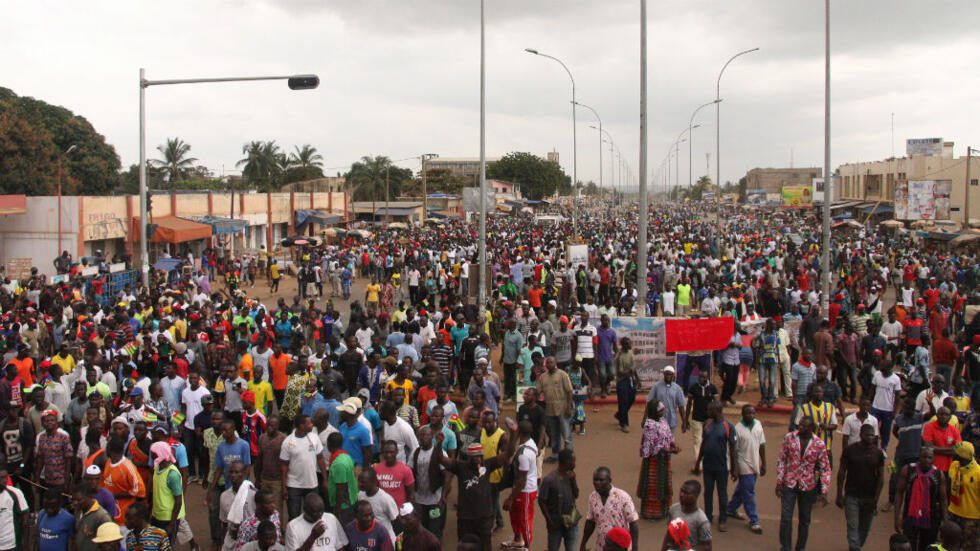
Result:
718,130
296,82
828,178
482,245
69,150
425,191
690,145
574,137
641,252
594,112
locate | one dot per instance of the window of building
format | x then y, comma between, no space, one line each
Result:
872,184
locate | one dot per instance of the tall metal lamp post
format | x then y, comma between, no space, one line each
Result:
296,82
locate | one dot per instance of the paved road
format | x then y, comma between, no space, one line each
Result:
605,445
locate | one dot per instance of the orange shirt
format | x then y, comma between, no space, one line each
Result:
278,368
123,479
534,297
25,369
938,437
245,367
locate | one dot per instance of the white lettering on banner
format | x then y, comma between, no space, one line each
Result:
578,255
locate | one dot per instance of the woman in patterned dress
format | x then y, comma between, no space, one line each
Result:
656,446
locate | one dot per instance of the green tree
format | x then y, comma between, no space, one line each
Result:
176,163
305,163
369,176
32,135
263,165
537,177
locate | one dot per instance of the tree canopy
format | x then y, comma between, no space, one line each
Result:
32,136
537,177
176,161
369,177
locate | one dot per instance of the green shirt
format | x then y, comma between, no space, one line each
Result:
211,441
342,472
167,486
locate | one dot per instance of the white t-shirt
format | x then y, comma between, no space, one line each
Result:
301,453
747,442
890,331
323,435
527,460
668,302
384,507
885,389
921,404
11,501
333,538
402,433
852,426
363,336
192,401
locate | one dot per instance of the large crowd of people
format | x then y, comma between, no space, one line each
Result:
332,420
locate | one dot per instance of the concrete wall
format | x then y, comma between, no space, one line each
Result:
105,222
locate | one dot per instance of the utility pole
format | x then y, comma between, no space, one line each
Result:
482,244
641,254
828,178
966,201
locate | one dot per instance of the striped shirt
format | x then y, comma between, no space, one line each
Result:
823,414
150,538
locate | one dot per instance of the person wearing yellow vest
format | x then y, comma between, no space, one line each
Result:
168,496
964,492
494,439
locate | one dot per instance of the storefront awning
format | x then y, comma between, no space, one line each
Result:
13,204
172,229
394,211
880,209
306,216
223,226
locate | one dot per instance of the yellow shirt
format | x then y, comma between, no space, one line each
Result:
373,291
490,443
962,403
408,385
967,480
180,326
263,395
274,271
67,363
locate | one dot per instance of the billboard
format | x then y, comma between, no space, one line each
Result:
471,199
755,196
577,255
797,197
923,199
924,146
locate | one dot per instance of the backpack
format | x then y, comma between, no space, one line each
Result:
510,473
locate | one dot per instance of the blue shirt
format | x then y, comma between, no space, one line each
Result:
55,531
356,438
180,454
312,404
227,454
607,338
717,439
672,397
374,419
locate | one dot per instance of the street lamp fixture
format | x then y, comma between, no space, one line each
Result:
574,135
690,145
295,82
598,118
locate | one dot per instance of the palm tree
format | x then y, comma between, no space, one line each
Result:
175,162
262,165
306,157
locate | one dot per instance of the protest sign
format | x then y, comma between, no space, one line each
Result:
683,335
649,351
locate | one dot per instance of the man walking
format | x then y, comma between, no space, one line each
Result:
671,395
860,478
556,497
556,388
750,464
801,458
609,508
717,453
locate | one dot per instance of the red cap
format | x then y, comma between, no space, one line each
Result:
248,396
621,536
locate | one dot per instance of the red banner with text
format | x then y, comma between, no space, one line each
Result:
683,335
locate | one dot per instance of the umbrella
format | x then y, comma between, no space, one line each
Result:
964,238
398,225
892,224
329,232
922,224
300,242
974,222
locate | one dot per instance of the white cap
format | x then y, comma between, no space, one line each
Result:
406,509
93,470
669,369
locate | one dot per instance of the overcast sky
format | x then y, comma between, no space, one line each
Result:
401,77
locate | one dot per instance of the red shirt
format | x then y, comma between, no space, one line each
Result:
534,297
933,434
396,478
932,297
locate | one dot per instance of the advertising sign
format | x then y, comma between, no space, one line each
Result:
649,345
923,199
577,255
924,146
755,196
471,199
797,197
